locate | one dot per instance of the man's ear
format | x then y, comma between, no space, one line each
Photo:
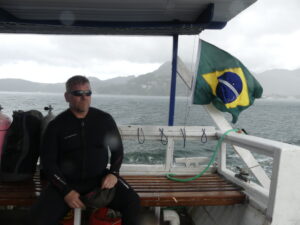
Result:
66,97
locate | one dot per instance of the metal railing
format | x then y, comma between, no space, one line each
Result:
168,135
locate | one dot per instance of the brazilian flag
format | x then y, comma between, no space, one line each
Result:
224,80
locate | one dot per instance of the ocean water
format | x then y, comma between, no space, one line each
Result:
272,119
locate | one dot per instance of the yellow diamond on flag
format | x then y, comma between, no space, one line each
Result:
230,85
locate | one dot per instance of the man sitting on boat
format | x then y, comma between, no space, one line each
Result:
74,154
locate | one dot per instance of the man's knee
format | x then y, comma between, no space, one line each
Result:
136,202
129,203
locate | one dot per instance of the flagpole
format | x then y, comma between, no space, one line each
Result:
173,81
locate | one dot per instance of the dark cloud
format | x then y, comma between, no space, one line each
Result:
264,36
81,50
114,48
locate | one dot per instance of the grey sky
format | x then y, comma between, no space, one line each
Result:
264,36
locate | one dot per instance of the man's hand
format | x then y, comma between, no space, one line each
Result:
73,200
109,181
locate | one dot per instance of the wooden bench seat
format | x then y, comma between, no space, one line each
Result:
153,191
207,190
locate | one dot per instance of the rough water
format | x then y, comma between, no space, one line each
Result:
272,119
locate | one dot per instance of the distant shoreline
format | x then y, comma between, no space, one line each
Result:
268,98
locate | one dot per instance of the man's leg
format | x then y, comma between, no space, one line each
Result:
127,202
49,209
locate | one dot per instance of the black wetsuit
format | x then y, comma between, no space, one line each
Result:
74,156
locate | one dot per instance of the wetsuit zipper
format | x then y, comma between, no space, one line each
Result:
84,150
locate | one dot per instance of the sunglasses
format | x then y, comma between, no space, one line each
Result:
80,93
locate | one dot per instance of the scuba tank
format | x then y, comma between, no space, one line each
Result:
50,116
5,122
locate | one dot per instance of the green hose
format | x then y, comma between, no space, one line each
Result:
170,176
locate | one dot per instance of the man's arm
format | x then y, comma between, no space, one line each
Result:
49,159
115,145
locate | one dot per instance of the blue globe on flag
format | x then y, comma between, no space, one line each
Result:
229,87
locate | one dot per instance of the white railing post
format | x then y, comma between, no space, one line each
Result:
283,205
77,216
222,157
169,154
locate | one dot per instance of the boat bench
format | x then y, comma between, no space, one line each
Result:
156,191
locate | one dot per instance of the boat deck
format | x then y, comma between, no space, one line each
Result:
210,189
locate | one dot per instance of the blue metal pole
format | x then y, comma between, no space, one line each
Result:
173,81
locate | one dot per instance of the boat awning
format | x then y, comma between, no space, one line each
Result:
121,17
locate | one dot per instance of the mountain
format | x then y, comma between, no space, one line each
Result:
156,83
280,82
19,85
276,83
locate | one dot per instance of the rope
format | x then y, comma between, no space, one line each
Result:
203,137
183,135
170,176
143,136
162,136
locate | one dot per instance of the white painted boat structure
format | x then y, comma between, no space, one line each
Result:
271,201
